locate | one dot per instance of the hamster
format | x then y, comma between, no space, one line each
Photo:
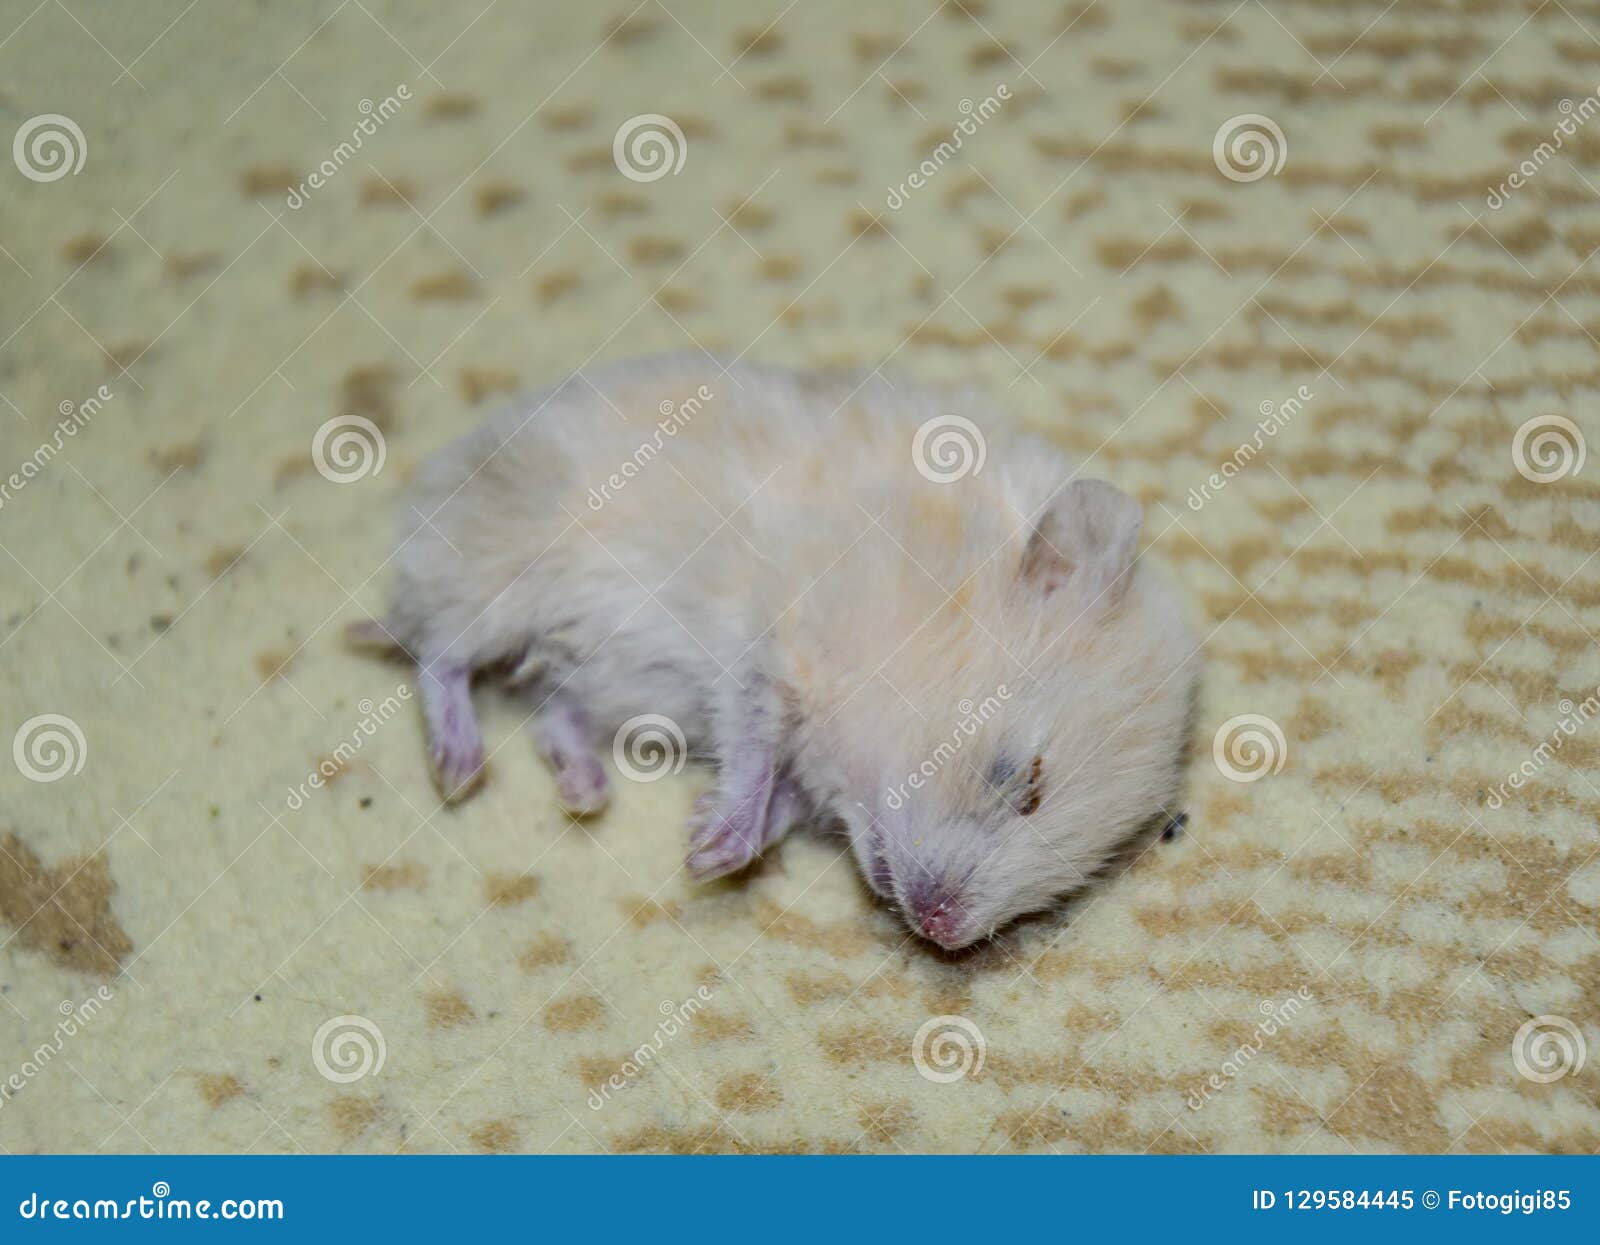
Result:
870,604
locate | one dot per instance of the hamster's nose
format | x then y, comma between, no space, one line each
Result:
944,926
938,914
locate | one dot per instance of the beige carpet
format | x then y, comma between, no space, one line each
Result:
1338,954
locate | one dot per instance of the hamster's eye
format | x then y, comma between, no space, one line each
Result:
1022,789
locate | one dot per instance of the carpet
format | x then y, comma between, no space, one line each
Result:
1311,280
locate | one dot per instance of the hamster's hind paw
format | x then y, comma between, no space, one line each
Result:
561,734
455,745
581,784
458,771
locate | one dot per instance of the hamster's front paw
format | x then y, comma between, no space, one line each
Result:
723,841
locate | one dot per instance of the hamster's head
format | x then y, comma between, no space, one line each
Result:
1044,721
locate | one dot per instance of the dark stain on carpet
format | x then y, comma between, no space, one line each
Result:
63,912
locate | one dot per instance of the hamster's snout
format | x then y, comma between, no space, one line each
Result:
947,927
936,911
935,907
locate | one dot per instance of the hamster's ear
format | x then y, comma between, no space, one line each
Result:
1086,538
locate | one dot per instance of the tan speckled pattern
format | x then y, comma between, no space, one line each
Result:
1385,580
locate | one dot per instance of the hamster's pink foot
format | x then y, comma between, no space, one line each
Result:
755,804
723,841
582,785
561,735
455,746
458,769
